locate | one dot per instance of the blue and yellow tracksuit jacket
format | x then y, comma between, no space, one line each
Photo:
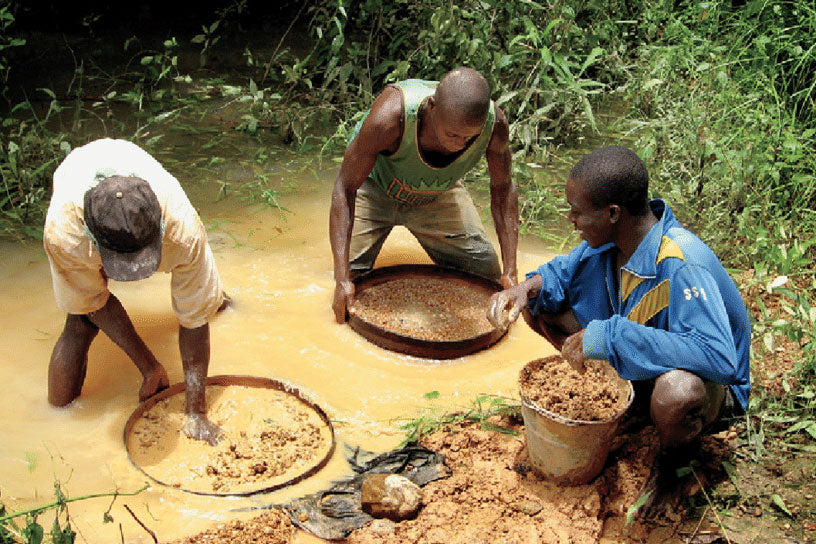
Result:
677,307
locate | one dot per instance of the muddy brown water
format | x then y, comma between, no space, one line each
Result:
281,326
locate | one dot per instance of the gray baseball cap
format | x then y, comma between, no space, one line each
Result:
123,216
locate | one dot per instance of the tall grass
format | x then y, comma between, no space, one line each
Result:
545,60
723,110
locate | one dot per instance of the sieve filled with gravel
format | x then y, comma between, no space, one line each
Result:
273,437
424,310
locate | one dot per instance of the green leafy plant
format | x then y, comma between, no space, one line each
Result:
7,42
207,39
210,36
777,501
481,410
153,81
29,153
61,532
633,509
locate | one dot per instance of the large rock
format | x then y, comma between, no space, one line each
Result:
390,496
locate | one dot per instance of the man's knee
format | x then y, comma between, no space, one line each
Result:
487,266
482,258
679,406
80,326
554,327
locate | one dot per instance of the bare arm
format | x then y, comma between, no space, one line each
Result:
505,307
503,197
381,132
194,345
114,321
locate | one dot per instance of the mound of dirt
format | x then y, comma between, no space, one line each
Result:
272,527
492,496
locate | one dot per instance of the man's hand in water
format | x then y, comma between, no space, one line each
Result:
343,299
197,426
154,382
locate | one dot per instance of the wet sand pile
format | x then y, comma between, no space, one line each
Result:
493,496
426,308
273,527
552,384
270,437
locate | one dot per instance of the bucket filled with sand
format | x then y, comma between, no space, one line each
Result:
570,419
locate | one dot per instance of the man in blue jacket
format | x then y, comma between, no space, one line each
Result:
644,294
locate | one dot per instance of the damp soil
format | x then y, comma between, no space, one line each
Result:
273,527
493,496
731,491
550,383
270,437
426,308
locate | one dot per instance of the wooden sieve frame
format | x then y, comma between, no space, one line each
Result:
418,347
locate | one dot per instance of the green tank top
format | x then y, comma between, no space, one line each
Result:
404,175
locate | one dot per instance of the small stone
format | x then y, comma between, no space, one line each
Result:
390,496
382,527
531,508
673,515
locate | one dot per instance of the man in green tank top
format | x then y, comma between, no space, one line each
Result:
404,165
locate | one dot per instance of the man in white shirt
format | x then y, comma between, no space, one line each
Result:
116,213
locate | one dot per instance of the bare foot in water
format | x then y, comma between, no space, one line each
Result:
154,382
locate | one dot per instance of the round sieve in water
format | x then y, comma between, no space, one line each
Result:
273,437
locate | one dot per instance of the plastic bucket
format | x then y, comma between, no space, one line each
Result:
568,451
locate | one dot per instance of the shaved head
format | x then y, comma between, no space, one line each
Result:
614,175
464,91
